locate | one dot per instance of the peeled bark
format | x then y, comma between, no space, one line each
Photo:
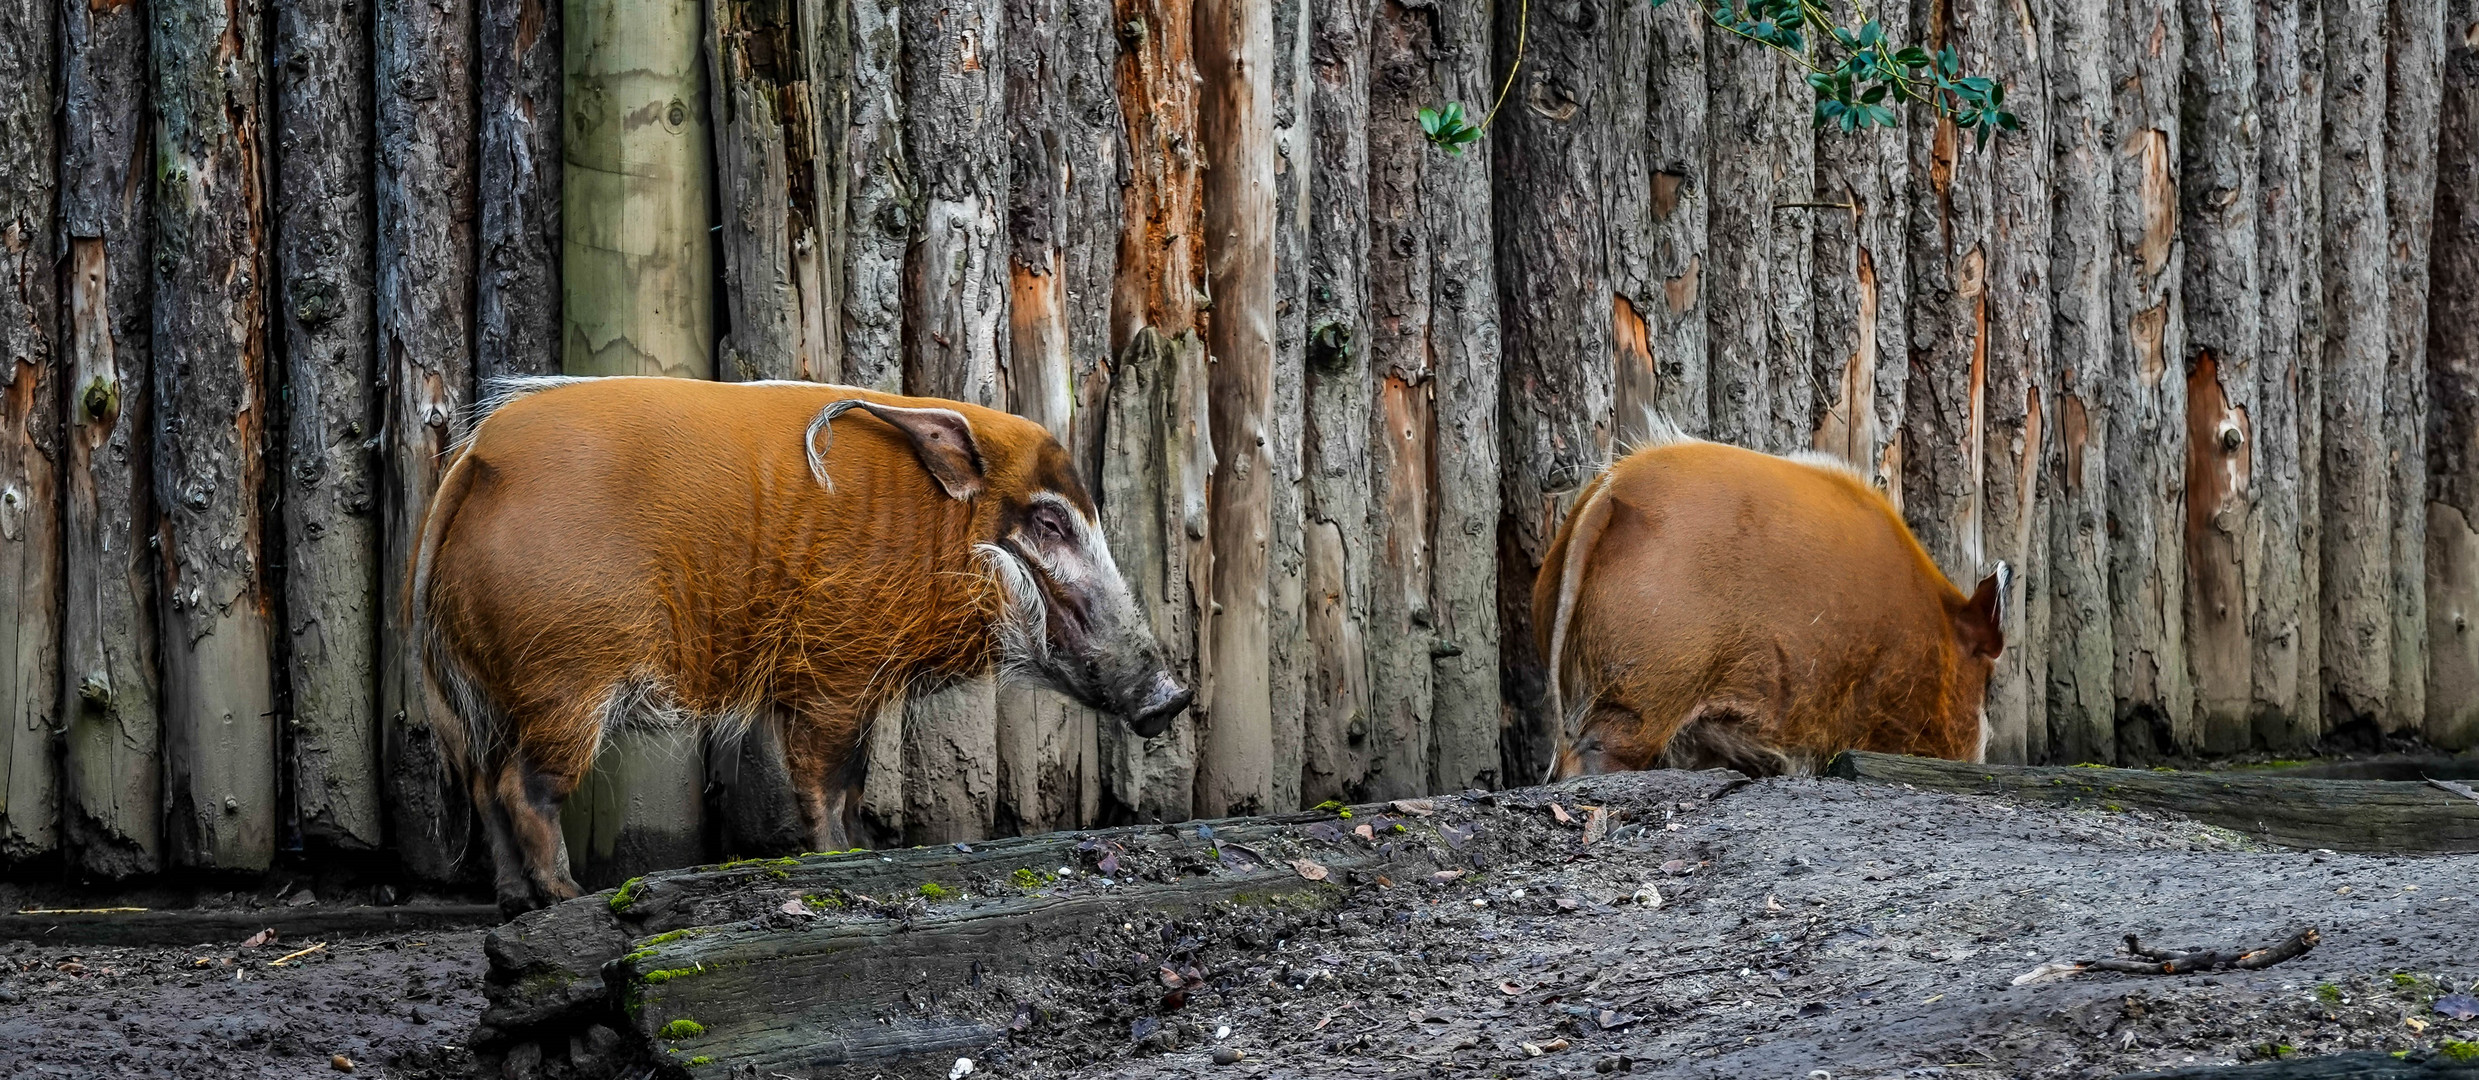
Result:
30,524
329,493
2147,396
424,72
1464,328
1657,212
1234,47
2414,55
517,294
2453,402
2219,199
2283,689
2357,268
1761,249
1554,299
112,782
1365,694
2082,707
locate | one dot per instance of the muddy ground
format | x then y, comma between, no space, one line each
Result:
1802,925
396,1006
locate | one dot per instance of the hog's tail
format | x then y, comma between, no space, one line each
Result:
1569,559
468,722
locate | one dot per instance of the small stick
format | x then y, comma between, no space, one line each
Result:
80,911
2158,962
279,961
2463,790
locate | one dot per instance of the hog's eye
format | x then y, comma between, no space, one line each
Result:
1048,525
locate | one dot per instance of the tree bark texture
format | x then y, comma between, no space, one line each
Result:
30,430
211,372
2282,699
2357,480
1553,285
1762,152
517,287
112,788
423,67
2453,401
2146,394
330,496
878,211
1657,213
2082,706
1945,420
1863,191
775,289
1358,320
1234,54
2414,56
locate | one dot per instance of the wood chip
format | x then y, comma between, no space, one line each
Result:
260,939
1415,807
341,1063
1596,823
1561,814
289,957
1366,833
1308,869
1444,876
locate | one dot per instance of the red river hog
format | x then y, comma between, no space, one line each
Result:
651,551
1707,606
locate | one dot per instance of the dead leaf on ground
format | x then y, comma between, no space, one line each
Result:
1415,807
1596,824
794,906
1366,833
2458,1006
1561,814
260,939
1510,989
1444,876
1308,869
341,1063
1772,903
1568,903
2048,972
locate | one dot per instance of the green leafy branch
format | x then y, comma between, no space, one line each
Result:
1858,74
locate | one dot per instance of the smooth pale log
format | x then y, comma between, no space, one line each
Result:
112,788
330,483
426,264
1289,656
1234,44
30,436
210,453
637,281
1155,460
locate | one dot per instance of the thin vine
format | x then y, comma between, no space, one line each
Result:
1854,72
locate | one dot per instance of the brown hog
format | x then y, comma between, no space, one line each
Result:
664,551
1707,606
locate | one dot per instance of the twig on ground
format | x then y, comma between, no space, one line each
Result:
281,960
2160,962
2463,790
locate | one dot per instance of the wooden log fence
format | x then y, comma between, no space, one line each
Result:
2193,350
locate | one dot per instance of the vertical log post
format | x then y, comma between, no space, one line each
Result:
1763,174
1554,299
1290,658
30,429
638,275
1862,290
2357,269
423,66
2453,403
1234,56
1945,422
2414,74
2283,685
211,435
878,221
1360,681
329,494
2146,437
517,290
113,788
2082,706
1464,328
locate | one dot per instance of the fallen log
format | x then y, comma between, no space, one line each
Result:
2364,1065
881,958
187,926
2306,813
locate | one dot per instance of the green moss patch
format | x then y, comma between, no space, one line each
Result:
683,1028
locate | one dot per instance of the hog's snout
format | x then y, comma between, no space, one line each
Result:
1162,703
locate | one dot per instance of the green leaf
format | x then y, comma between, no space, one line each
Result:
1850,121
1849,40
1429,121
1996,93
1980,138
2007,121
1875,94
1913,56
1884,116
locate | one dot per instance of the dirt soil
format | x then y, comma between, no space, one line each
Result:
1801,925
1804,927
394,1007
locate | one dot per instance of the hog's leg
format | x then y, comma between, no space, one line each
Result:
508,880
819,747
530,795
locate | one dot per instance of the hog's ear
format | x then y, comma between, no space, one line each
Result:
1981,622
941,438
